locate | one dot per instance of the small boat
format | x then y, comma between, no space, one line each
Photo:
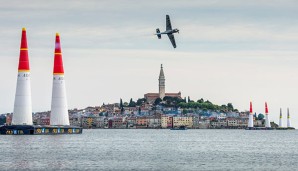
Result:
179,128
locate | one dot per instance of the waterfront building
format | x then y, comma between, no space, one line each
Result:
43,121
232,122
90,121
131,122
75,121
166,121
117,122
221,123
8,119
259,123
151,97
103,122
182,121
195,121
236,122
154,122
204,123
141,122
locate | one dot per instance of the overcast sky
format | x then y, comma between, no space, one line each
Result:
227,51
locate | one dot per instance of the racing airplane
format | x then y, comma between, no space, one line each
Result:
170,32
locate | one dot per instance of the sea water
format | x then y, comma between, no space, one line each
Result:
152,149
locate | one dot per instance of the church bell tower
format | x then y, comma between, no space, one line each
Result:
162,85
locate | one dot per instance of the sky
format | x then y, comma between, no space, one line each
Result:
228,51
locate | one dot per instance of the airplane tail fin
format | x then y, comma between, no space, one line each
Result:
157,33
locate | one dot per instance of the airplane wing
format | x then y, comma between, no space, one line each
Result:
168,23
172,39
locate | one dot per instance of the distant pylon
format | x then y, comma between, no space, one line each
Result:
267,121
22,114
280,119
288,119
250,119
59,109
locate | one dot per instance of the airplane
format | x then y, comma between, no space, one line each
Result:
170,32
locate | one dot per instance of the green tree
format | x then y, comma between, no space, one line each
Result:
141,101
201,100
223,108
183,105
208,102
167,98
157,101
131,103
260,116
121,103
230,106
2,120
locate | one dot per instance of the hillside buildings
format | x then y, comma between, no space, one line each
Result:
147,115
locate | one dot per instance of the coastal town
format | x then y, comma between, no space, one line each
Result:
149,116
154,111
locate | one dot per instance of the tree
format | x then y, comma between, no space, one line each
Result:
255,115
223,107
131,103
230,106
167,98
208,102
140,101
189,100
157,101
121,103
182,105
2,120
201,100
260,116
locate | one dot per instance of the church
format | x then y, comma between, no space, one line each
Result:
150,97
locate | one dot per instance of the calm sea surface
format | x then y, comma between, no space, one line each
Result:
107,149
